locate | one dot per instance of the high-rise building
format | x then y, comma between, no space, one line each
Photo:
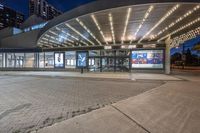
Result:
43,9
10,18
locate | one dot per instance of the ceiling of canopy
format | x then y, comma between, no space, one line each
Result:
130,25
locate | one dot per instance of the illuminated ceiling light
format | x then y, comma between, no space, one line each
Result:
152,36
67,34
174,8
98,27
132,38
186,36
126,23
79,33
141,24
111,27
43,42
47,35
52,32
53,41
44,38
188,13
83,25
75,38
181,28
108,39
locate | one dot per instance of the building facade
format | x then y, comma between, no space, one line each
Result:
10,18
43,9
114,35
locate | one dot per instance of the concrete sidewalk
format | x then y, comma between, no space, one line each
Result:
129,76
171,108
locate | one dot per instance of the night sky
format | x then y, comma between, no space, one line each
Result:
63,5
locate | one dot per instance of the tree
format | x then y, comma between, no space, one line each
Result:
189,60
175,57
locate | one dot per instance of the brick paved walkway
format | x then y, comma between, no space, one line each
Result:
29,103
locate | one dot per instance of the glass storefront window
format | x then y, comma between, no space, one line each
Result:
10,60
70,59
41,60
94,64
29,61
1,60
49,60
19,59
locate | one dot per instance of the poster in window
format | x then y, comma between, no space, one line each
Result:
147,59
82,59
59,60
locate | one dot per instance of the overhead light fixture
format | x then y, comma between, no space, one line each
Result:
131,38
111,27
188,13
174,8
181,28
126,24
52,32
71,36
73,29
141,24
186,36
83,25
98,27
108,39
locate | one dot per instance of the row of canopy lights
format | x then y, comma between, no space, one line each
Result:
182,28
184,37
172,10
123,37
188,13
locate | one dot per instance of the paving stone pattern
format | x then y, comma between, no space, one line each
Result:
30,103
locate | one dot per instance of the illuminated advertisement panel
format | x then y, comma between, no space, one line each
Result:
59,60
147,59
81,59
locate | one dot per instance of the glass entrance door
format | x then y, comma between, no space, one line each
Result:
122,64
108,64
95,64
109,60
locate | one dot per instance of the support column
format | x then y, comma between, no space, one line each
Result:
167,55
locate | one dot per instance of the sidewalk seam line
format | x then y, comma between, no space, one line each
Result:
137,123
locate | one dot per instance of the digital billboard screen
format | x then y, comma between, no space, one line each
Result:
59,60
82,59
147,59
